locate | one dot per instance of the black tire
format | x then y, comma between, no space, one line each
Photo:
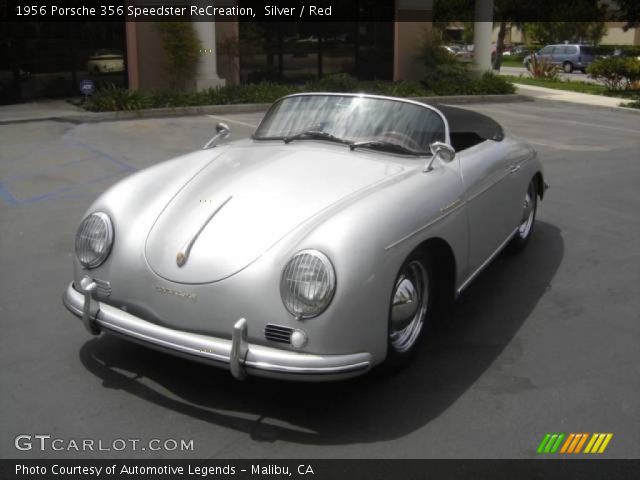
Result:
567,67
406,330
525,229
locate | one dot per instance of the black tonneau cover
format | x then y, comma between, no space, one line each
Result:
468,128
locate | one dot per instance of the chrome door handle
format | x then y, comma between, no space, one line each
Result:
514,168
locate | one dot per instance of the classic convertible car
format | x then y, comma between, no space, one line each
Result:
317,248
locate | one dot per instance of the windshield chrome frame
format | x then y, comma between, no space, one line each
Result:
359,95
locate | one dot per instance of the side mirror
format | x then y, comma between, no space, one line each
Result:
222,132
441,151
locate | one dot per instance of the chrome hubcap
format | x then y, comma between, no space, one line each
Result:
409,308
528,213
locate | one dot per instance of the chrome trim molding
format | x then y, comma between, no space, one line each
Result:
379,97
103,287
504,174
237,355
486,262
432,222
278,333
183,255
452,206
239,350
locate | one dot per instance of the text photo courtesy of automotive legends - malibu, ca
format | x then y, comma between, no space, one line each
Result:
360,239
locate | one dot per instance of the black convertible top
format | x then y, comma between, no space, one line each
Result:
468,128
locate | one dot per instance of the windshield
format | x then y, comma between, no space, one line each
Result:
353,119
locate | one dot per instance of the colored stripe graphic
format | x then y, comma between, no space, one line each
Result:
581,443
543,443
550,443
555,447
605,443
598,443
572,443
567,443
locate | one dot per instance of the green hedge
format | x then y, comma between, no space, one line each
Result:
609,49
616,73
118,99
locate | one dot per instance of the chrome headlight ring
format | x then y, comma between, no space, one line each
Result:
307,284
94,239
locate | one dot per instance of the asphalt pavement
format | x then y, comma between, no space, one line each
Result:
545,341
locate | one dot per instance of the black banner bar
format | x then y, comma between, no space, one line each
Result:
315,11
584,469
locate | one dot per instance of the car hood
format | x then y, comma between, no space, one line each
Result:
250,197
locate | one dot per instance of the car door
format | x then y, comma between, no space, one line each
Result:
546,53
560,54
493,198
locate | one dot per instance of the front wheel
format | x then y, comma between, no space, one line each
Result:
525,229
411,306
567,67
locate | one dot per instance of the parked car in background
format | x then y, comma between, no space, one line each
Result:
106,61
519,51
569,57
620,53
459,51
314,250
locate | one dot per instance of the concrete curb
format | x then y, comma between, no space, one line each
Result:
95,117
588,106
584,100
465,99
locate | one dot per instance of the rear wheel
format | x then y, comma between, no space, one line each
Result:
525,229
567,67
411,305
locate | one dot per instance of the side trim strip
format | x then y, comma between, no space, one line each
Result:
504,175
461,203
486,262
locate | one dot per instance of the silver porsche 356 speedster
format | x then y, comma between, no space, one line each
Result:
314,250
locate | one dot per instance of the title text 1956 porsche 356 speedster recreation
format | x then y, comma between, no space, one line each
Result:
314,249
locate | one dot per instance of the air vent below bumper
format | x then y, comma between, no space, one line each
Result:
278,333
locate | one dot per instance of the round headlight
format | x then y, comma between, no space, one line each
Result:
94,240
307,284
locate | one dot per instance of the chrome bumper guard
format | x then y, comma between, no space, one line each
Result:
237,354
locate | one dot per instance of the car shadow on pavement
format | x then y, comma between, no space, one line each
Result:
478,334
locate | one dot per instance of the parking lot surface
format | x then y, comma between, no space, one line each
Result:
545,341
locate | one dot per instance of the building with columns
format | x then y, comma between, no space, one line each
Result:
235,52
50,60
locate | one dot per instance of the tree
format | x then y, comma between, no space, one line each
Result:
507,13
558,32
182,48
629,12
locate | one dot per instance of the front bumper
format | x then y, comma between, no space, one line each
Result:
237,354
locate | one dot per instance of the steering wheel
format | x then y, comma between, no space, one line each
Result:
401,138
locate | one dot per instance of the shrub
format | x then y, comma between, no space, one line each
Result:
341,82
433,55
492,84
116,99
616,73
456,79
393,89
542,68
113,98
448,79
182,49
629,50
